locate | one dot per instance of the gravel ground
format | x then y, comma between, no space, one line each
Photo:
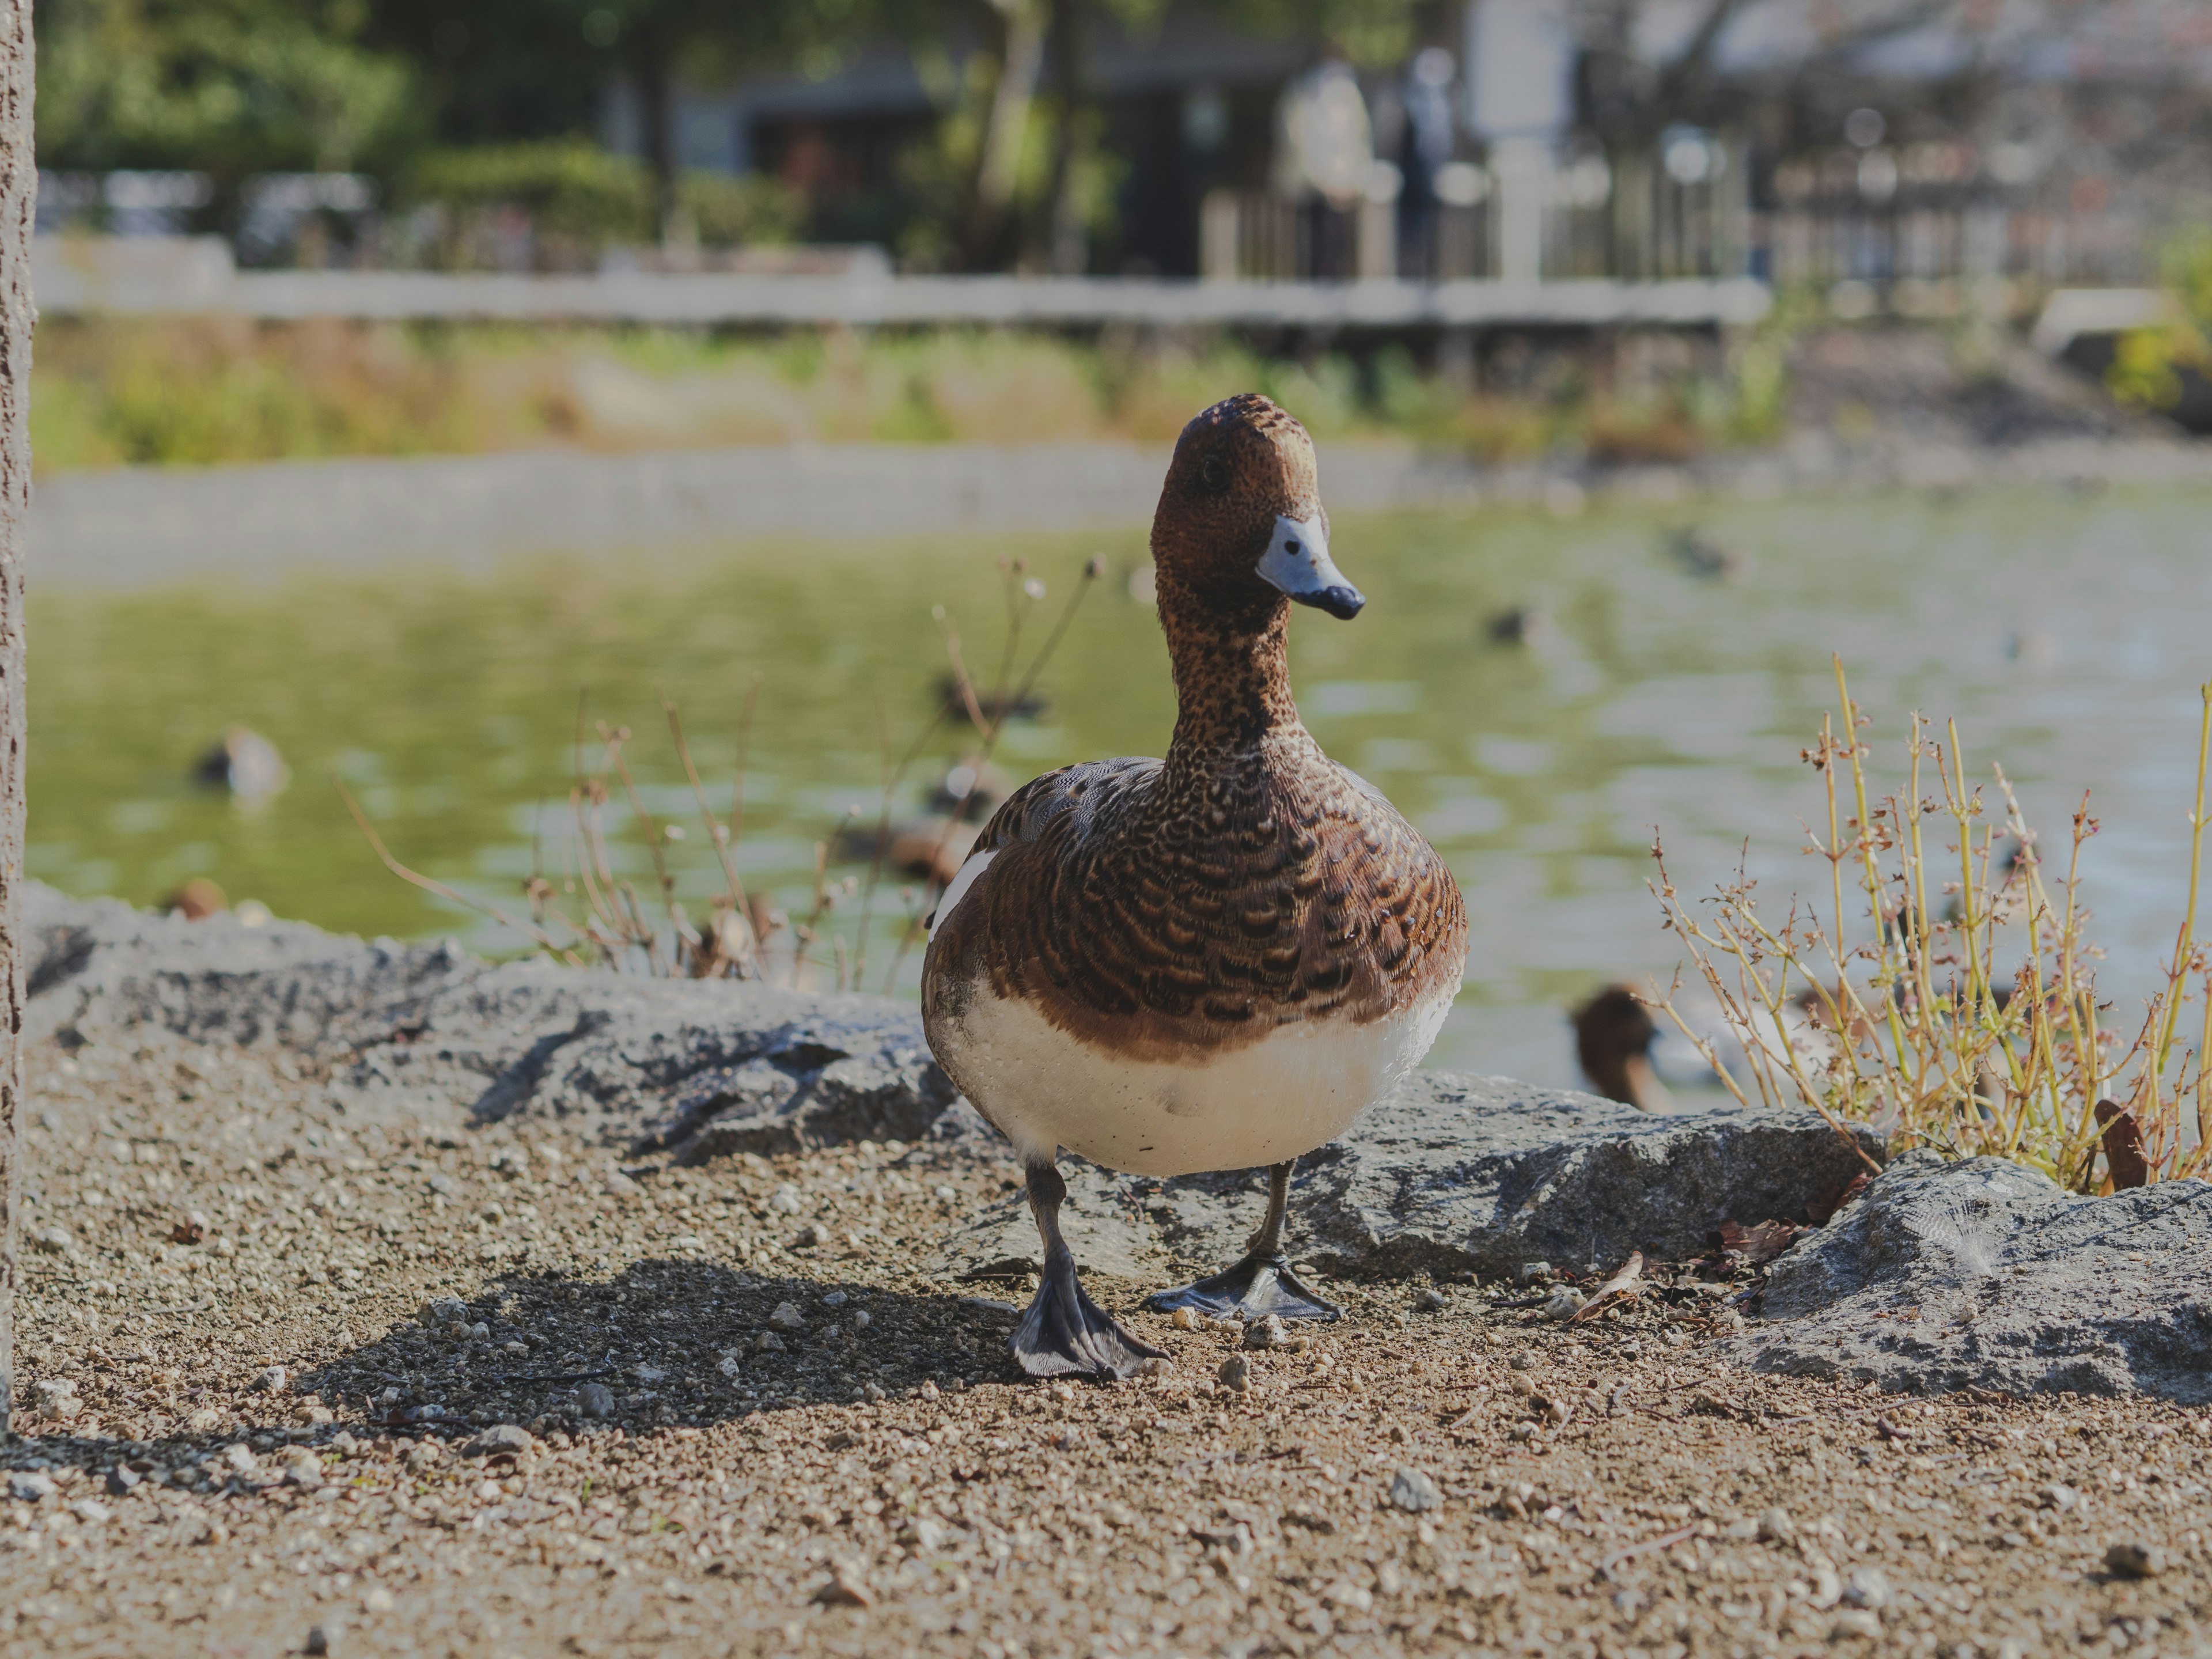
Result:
262,1342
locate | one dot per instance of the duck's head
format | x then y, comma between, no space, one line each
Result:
1240,520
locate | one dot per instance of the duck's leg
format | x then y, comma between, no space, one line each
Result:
1065,1332
1261,1284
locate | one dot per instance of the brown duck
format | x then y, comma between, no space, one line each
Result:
1216,961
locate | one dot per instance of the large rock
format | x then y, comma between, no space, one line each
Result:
1985,1275
1456,1174
431,1031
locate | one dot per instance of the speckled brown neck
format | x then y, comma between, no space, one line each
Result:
1232,676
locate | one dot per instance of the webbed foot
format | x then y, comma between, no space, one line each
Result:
1256,1286
1065,1333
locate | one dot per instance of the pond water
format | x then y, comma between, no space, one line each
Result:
2066,631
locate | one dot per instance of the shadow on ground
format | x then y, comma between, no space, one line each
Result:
670,1342
673,1343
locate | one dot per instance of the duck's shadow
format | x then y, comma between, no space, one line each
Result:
672,1343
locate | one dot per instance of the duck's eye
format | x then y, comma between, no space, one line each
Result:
1212,474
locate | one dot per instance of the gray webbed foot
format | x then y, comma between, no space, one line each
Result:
1065,1333
1256,1286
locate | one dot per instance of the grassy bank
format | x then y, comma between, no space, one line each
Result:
118,391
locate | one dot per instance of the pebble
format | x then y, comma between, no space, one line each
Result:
29,1485
1413,1490
618,1185
91,1511
596,1400
1775,1527
835,1300
239,1457
786,1318
1265,1332
56,1397
1183,1320
1536,1273
787,1200
1856,1622
1431,1300
319,1640
121,1480
501,1439
768,1342
1236,1373
2131,1560
443,1312
862,1319
2059,1496
845,1588
1563,1303
1866,1588
272,1380
303,1469
54,1240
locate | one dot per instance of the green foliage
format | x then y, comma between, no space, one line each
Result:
231,87
571,187
2148,363
732,212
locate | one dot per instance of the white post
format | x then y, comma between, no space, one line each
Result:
1524,170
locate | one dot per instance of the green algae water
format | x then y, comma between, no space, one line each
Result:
1671,664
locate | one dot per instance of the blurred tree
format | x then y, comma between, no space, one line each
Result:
511,69
1026,32
230,86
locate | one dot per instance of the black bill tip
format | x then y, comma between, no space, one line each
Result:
1341,602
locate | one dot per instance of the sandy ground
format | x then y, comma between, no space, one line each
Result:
227,1281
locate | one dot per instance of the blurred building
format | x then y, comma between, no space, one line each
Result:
1890,153
1880,141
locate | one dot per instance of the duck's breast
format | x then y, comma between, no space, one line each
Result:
1259,1102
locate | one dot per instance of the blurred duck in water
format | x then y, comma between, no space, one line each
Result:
1702,557
1630,1056
1522,625
246,765
1613,1034
933,845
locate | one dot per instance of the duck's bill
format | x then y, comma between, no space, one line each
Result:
1297,563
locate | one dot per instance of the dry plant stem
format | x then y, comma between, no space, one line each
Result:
724,842
2184,945
432,885
989,730
615,741
1954,1059
893,777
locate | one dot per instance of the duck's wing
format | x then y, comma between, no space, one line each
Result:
1174,917
1063,806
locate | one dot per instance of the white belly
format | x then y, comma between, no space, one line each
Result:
1288,1092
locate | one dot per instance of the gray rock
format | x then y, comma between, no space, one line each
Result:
1413,1491
1453,1174
595,1399
1986,1274
503,1439
29,1485
700,1067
